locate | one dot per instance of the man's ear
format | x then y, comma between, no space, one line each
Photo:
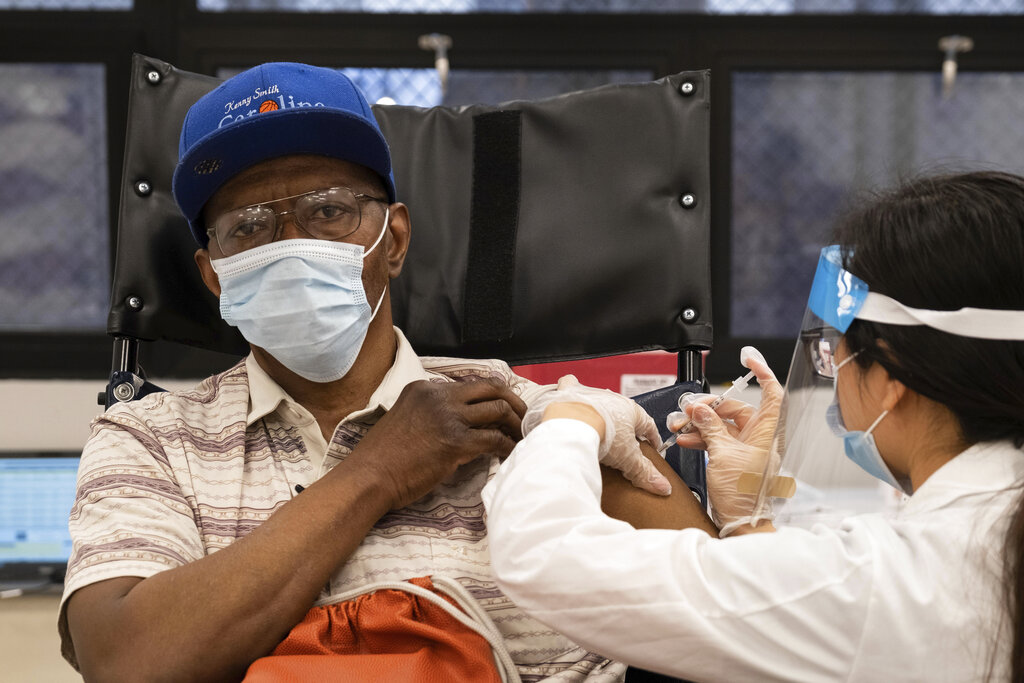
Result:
210,279
397,241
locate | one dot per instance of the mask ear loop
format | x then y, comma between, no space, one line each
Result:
875,423
835,372
835,383
387,213
379,302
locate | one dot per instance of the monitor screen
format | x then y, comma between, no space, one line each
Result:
36,494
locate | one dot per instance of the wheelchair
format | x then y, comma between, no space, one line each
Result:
558,229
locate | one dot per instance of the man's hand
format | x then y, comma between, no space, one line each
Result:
434,428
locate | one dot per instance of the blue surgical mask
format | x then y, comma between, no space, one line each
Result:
860,445
301,300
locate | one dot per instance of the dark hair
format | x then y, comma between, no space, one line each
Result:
948,242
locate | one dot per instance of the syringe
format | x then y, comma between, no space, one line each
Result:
738,384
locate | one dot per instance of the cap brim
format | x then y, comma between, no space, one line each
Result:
225,152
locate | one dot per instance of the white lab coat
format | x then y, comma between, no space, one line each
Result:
915,598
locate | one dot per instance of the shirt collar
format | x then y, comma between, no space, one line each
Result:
406,369
266,395
987,467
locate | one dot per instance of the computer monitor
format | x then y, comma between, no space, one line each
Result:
37,490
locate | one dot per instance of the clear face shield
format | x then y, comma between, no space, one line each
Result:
839,472
829,486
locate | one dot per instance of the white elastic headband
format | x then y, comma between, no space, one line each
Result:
980,323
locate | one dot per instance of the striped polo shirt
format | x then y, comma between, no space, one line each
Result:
175,476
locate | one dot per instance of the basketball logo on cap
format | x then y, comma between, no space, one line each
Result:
268,105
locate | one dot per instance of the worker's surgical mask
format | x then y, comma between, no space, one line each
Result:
860,445
301,300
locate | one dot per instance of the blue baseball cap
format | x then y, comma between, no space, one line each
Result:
269,111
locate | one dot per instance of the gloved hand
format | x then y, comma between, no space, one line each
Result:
624,423
738,439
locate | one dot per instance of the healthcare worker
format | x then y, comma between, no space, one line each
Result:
915,316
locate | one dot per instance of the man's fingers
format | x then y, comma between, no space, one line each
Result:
482,442
476,389
488,389
497,413
518,404
491,441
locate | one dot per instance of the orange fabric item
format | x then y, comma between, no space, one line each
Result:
387,635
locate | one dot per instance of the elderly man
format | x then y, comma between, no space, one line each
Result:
321,494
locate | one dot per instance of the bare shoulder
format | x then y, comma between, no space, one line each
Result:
680,510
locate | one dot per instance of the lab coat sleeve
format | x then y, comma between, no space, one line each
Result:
786,606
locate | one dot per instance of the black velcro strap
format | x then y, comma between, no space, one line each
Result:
494,218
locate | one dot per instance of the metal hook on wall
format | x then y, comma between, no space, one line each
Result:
951,46
440,44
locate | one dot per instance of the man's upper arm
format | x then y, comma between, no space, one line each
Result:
88,607
129,519
621,500
680,510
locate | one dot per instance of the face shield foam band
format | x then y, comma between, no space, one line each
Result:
838,297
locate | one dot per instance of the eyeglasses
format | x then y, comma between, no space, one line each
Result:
820,345
329,214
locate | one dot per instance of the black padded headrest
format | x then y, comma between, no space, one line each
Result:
541,230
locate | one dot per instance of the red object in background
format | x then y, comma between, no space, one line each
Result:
629,374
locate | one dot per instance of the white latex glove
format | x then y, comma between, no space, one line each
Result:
738,438
625,424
